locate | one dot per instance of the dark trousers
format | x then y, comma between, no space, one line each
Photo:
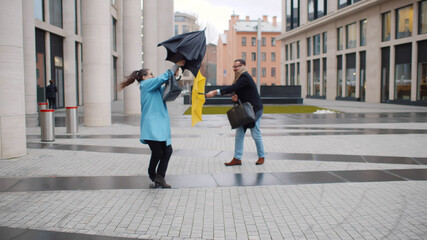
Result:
160,155
52,103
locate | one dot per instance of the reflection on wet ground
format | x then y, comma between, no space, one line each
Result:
209,180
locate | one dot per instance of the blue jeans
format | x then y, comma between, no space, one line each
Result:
256,135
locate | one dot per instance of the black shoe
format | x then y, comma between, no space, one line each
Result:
160,181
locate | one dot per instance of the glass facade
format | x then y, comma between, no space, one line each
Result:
292,76
316,77
324,76
362,76
386,26
292,14
340,40
351,36
308,78
39,10
350,73
363,29
339,76
422,71
316,44
114,34
309,47
55,12
41,65
325,42
422,19
404,22
402,83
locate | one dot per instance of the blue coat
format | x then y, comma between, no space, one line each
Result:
155,123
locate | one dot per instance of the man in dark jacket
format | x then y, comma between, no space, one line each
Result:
51,91
244,88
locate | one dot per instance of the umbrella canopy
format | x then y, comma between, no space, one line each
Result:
190,46
197,99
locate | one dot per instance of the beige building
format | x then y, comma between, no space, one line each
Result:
359,50
240,42
86,47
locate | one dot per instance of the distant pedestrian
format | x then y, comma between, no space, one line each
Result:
51,91
155,122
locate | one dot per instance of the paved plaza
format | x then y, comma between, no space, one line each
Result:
357,174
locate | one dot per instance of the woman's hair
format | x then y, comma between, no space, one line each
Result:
134,76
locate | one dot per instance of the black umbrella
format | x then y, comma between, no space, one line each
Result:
190,46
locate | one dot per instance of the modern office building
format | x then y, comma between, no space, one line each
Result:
86,47
240,42
358,50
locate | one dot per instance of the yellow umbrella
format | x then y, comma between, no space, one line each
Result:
197,99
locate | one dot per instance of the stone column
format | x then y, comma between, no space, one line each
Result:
165,20
132,49
96,35
150,35
69,54
12,92
29,57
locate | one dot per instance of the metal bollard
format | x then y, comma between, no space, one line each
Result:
71,119
47,123
41,105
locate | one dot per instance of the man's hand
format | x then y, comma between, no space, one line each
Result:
211,94
234,98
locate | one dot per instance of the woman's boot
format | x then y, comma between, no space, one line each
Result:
160,181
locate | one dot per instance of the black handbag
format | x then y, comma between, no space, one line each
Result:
172,90
241,114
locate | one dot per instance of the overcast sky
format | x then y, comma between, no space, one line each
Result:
214,14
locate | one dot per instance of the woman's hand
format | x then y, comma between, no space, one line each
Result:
211,94
181,63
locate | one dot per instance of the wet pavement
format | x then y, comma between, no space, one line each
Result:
357,174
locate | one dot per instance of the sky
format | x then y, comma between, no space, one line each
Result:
215,14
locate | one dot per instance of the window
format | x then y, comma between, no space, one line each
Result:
344,3
339,76
362,76
292,75
273,56
422,71
298,81
253,72
386,26
253,56
325,42
298,49
263,56
244,56
316,77
422,22
273,72
324,76
253,41
340,41
286,74
55,12
351,36
316,44
316,9
363,25
291,53
114,34
308,47
273,42
264,41
286,52
176,30
350,74
308,78
292,14
39,9
404,18
263,72
402,84
243,41
185,29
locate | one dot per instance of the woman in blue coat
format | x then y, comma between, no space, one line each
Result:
155,123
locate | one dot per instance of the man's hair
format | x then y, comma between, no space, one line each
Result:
243,62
